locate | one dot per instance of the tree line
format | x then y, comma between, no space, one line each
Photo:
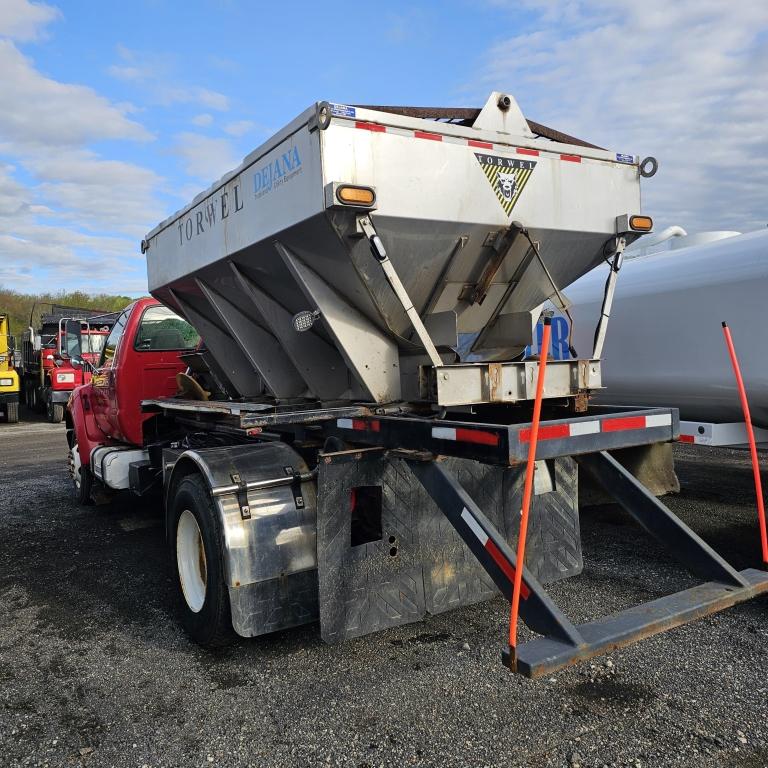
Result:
20,307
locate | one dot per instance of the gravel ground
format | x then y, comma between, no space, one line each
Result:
94,670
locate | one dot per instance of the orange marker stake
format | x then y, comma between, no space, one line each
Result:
751,438
528,488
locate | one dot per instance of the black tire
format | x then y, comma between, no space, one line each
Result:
211,624
55,412
12,413
84,487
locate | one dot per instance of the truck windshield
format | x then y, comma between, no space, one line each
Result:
92,343
162,329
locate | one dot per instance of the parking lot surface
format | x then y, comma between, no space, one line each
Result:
95,671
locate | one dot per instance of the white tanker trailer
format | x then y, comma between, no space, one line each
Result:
665,345
334,457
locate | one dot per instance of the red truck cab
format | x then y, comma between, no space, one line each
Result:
139,361
48,373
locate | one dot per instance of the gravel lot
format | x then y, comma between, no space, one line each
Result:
94,670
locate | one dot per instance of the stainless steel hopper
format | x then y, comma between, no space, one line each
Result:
481,223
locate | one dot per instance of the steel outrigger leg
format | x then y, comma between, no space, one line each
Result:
497,558
564,643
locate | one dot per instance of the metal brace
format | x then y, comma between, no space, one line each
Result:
242,496
610,288
390,273
298,497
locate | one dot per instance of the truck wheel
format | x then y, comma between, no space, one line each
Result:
12,412
82,479
197,547
55,412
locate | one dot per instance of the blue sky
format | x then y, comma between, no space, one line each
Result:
113,115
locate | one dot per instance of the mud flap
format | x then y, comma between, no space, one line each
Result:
414,562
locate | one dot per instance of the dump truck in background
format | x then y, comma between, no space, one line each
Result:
348,441
9,378
47,370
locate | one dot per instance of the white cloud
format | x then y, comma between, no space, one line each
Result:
239,127
36,110
206,158
686,82
25,21
155,74
202,120
68,217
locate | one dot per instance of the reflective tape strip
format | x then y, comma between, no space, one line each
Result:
496,555
659,420
463,435
359,425
687,438
584,428
506,567
474,526
621,424
426,135
579,428
378,128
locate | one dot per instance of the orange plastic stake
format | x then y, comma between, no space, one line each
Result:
751,438
529,470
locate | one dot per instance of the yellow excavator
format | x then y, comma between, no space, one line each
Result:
9,379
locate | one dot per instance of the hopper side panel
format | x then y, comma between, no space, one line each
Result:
273,193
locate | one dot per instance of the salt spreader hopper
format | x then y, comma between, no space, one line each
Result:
366,284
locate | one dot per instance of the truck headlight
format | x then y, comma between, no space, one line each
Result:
65,378
6,382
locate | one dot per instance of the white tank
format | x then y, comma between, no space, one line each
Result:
665,345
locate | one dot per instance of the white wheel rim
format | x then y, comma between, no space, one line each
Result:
190,557
76,469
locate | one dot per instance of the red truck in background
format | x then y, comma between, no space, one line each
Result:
47,370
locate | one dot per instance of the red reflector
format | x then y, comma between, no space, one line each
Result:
687,439
571,158
366,426
506,567
548,432
481,144
523,151
477,436
425,135
370,127
617,425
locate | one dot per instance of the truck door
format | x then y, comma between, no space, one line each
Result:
104,393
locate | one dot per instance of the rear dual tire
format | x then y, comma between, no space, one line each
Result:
55,412
12,413
197,544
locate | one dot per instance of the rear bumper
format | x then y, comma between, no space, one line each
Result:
9,397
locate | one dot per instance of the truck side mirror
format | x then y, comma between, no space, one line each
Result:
72,346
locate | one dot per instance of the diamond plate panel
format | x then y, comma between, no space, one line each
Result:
268,606
367,588
452,575
553,547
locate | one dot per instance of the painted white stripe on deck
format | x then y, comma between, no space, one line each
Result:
474,526
584,428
